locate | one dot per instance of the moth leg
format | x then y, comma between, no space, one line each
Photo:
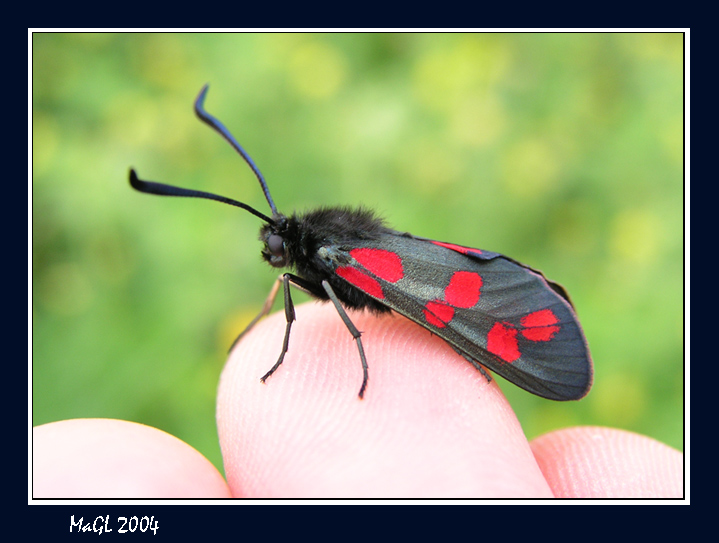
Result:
266,307
474,363
290,316
353,330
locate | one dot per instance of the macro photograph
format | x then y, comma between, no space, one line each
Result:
357,265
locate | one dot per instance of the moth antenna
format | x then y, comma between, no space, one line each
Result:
160,189
218,127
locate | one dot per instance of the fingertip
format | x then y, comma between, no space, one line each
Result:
104,458
597,462
429,424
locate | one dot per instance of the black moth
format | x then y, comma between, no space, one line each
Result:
494,311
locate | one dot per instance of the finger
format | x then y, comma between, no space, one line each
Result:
430,425
594,462
103,458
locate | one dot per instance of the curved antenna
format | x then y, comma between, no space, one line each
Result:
150,187
218,127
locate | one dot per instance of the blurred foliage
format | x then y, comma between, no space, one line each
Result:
562,150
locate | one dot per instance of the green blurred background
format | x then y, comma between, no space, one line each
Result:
564,151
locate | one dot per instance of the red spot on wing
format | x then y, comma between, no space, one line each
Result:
438,313
384,264
502,341
458,248
463,289
361,280
539,326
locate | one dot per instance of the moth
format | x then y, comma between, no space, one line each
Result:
495,312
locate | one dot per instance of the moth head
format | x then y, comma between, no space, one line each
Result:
273,237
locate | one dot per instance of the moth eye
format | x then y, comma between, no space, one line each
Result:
276,245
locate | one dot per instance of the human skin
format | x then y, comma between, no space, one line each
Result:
429,426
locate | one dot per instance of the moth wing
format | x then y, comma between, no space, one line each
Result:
490,308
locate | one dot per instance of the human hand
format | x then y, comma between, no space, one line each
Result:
430,426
